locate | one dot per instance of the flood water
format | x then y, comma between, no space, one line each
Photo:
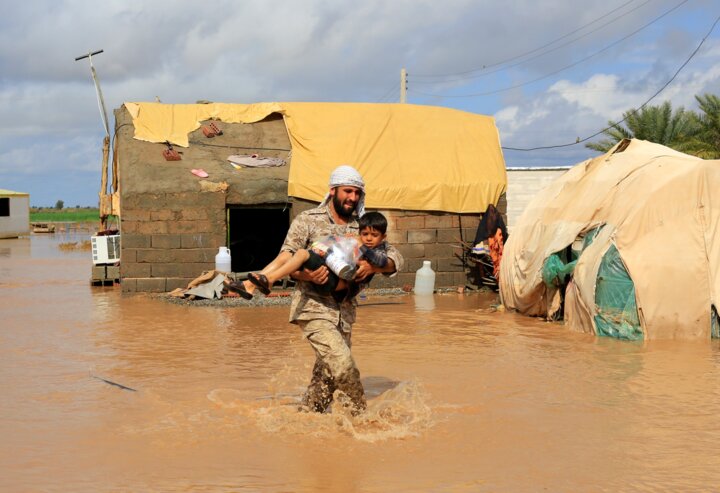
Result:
462,399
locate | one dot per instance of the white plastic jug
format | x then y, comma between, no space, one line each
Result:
425,279
223,262
424,302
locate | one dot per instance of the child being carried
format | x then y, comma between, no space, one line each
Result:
339,253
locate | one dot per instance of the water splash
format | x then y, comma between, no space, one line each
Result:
400,412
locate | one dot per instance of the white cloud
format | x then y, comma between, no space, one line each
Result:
513,119
600,94
571,110
253,50
78,154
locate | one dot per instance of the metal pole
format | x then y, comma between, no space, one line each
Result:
403,86
98,91
105,204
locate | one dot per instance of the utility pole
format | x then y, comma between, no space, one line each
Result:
98,91
403,86
109,204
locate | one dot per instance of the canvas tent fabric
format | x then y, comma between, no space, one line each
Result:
411,157
655,226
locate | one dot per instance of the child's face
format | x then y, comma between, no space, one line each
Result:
371,237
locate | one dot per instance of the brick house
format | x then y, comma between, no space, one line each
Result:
172,221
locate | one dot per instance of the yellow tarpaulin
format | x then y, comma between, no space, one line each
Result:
411,157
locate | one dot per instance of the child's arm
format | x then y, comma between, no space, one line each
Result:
391,265
375,256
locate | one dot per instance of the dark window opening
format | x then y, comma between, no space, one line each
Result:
4,207
256,235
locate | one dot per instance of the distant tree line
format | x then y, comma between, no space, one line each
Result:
60,206
695,133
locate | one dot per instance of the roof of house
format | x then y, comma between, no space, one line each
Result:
10,193
411,157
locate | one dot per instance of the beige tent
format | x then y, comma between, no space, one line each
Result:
644,223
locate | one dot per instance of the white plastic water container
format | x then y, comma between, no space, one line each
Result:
424,279
223,262
424,302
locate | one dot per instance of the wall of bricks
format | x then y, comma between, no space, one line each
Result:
169,239
437,237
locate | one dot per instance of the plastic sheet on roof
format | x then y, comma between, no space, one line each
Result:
411,157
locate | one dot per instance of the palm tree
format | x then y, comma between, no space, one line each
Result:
706,144
660,124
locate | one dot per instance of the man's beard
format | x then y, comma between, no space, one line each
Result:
340,210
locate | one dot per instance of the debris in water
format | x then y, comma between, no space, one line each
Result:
114,383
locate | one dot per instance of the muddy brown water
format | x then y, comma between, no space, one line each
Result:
461,399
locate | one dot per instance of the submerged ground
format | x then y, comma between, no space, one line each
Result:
461,398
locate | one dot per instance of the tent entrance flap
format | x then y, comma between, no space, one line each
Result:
617,314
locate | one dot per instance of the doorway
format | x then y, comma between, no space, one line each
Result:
255,234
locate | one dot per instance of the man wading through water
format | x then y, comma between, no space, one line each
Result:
326,319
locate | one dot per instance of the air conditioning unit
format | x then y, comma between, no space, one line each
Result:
105,249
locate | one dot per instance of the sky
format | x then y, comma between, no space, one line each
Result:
549,72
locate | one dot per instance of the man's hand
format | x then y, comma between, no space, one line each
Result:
317,276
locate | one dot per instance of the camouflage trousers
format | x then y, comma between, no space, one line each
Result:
334,367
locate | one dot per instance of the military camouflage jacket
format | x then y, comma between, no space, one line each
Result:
307,303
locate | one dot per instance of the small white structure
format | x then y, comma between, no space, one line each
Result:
524,184
14,214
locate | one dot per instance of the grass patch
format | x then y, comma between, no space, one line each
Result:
80,215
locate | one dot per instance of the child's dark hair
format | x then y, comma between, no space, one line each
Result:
373,220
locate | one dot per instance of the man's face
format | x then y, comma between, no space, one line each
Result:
345,200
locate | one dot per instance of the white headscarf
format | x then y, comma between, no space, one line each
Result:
347,176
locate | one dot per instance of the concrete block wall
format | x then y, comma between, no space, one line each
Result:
169,239
433,236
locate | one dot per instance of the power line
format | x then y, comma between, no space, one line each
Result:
501,63
388,93
631,112
624,38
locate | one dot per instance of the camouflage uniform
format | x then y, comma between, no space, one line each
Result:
326,319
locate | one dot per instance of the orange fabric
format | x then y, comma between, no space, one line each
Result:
495,244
